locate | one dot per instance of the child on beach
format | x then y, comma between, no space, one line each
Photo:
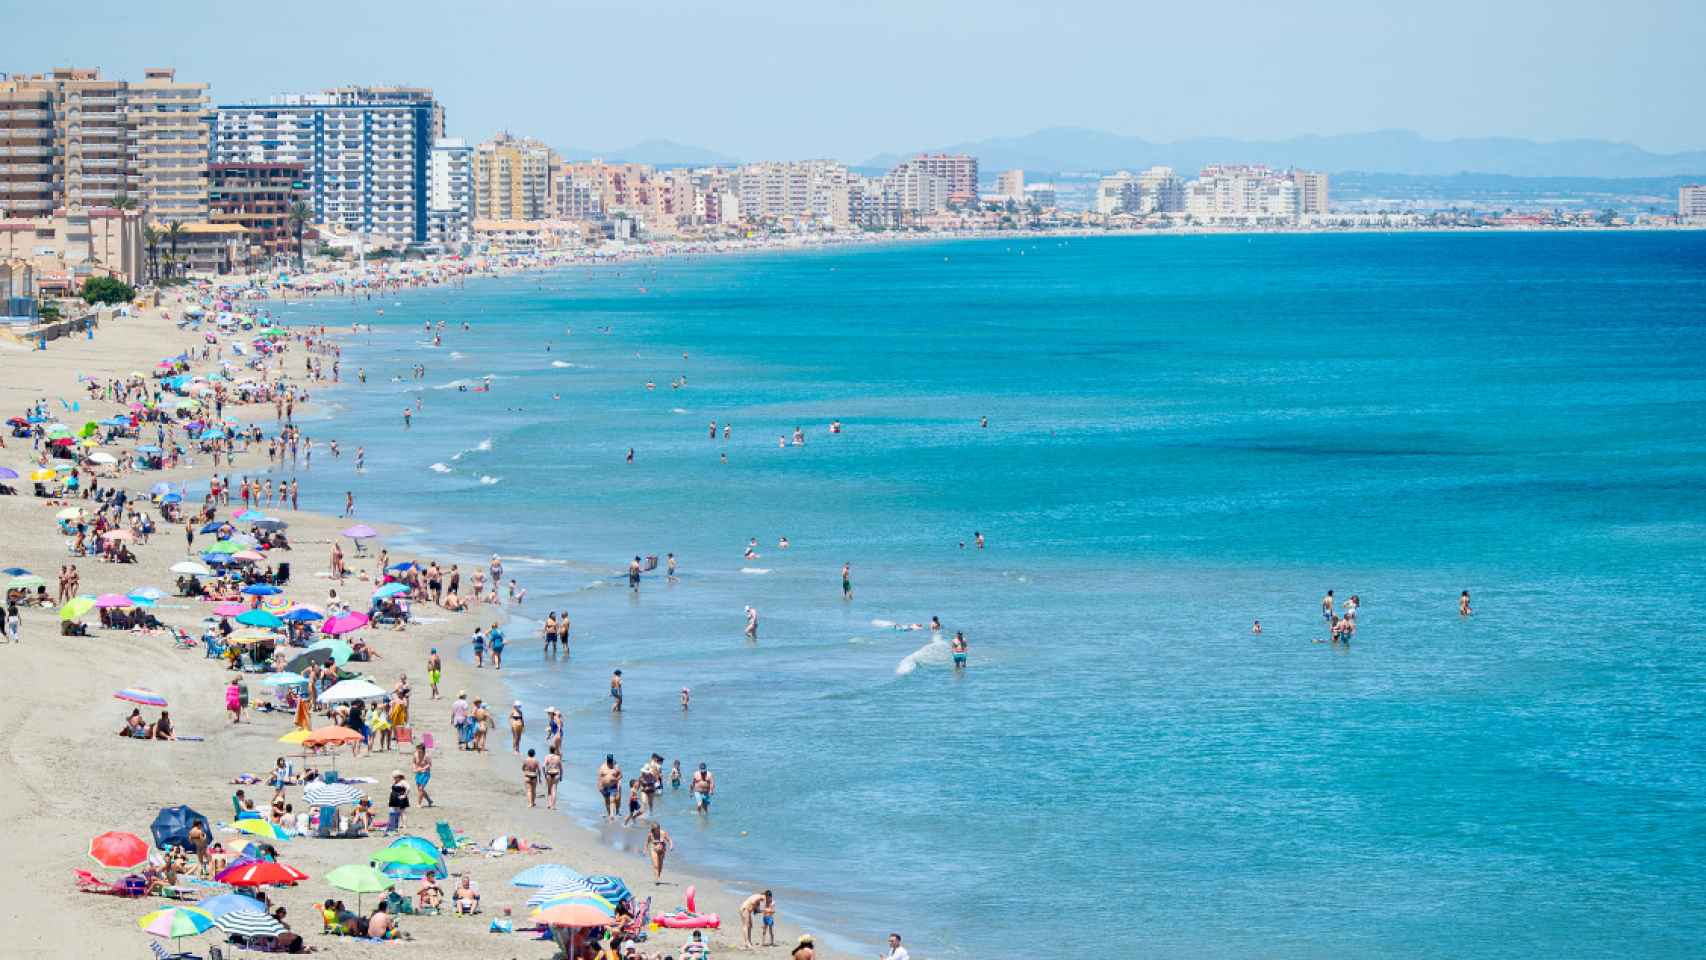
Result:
633,802
675,775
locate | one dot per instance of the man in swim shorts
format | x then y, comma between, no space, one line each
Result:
610,786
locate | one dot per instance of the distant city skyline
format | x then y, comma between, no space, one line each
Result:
768,79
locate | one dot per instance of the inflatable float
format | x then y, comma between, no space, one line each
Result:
689,917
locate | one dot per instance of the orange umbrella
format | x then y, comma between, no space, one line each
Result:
331,736
572,914
120,850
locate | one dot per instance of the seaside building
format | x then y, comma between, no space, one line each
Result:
1042,196
811,191
957,169
217,249
67,245
512,179
1311,191
1691,201
258,198
450,193
1160,190
1011,186
364,152
918,190
1242,193
575,197
1117,194
71,138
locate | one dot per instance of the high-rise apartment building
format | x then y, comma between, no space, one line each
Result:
71,138
258,197
450,193
1010,185
1311,191
169,137
512,179
803,189
1242,192
364,152
1160,190
957,169
1691,201
1117,194
922,186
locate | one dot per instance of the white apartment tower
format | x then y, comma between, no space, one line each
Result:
450,193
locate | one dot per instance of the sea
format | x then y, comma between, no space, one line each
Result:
1161,440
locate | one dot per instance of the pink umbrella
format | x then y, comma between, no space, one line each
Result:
228,609
361,531
114,600
346,623
249,555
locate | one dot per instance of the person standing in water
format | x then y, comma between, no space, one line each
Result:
847,581
1256,626
751,624
1327,607
959,648
616,691
1463,608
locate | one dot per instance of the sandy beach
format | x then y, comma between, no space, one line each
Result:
70,777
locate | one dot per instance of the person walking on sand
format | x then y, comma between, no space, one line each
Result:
750,907
658,845
896,951
234,701
495,638
435,671
423,773
517,723
610,786
553,770
530,775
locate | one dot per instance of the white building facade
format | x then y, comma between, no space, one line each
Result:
450,193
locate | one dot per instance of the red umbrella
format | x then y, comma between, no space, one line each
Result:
119,850
259,872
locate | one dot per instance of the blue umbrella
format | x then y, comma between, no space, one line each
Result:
390,590
171,827
15,572
150,448
557,889
228,902
259,618
216,559
544,875
261,590
608,887
285,679
300,615
402,567
415,871
215,526
147,593
163,487
171,498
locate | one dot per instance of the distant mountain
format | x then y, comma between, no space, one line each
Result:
658,153
1073,149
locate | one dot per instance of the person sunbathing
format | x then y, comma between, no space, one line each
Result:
134,727
430,896
467,899
161,729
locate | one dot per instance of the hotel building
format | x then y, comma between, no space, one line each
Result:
512,179
450,193
363,151
258,197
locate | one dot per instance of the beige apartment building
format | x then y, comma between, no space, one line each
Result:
512,179
71,139
67,246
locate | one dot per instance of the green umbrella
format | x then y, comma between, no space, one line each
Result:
89,429
407,856
224,546
359,879
28,581
76,608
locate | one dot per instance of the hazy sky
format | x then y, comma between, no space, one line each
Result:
797,78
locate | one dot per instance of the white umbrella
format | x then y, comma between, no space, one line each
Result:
360,688
331,794
193,569
102,457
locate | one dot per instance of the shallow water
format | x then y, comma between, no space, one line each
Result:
1184,434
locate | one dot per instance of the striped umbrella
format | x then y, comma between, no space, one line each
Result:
248,923
560,889
331,794
544,875
261,828
176,922
147,698
580,899
277,605
608,887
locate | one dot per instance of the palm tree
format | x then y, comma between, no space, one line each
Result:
301,214
151,238
174,230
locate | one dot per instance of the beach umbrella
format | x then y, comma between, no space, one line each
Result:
411,858
248,556
149,594
331,737
249,516
164,486
390,590
118,850
256,873
146,698
7,473
321,794
230,608
172,498
261,828
360,688
171,826
248,923
405,566
176,923
15,572
69,513
28,581
560,889
102,457
285,679
359,879
609,887
228,902
224,546
302,615
114,601
41,474
336,651
191,568
214,527
573,915
76,608
275,604
344,623
261,590
259,618
294,737
583,897
270,524
361,531
544,875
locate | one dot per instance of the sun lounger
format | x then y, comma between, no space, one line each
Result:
161,954
131,886
449,840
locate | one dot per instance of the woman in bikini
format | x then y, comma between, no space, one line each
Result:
517,723
658,845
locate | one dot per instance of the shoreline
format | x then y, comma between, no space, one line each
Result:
68,671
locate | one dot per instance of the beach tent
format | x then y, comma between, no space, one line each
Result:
171,827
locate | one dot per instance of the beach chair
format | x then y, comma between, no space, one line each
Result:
328,827
448,838
398,905
89,883
635,928
161,954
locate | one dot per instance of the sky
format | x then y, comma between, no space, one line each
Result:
788,79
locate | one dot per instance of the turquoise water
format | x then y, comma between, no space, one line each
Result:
1184,434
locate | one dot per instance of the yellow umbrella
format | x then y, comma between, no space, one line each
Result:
41,474
76,608
294,736
246,638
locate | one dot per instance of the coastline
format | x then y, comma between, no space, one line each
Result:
54,725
